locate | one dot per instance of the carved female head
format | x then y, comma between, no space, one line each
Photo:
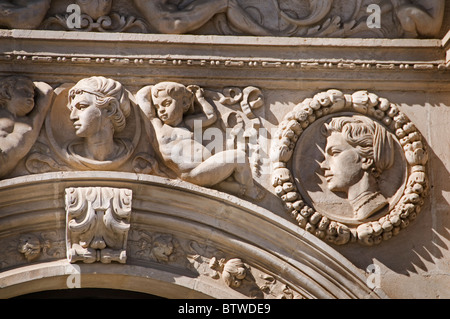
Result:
96,103
17,95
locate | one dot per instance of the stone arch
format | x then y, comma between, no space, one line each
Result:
184,241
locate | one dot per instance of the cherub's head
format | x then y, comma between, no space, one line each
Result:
17,95
171,101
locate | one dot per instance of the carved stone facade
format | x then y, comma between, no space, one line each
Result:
248,149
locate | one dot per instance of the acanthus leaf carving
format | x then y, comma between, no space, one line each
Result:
98,220
312,18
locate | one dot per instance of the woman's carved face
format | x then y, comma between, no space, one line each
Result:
95,8
87,118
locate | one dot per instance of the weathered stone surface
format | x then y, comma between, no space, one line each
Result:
307,160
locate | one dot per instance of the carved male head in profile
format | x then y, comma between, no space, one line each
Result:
17,95
357,151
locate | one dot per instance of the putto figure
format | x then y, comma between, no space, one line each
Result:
167,105
357,151
99,108
23,107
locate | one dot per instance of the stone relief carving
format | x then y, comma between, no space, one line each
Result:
169,17
19,14
349,167
358,150
97,124
99,108
96,16
170,107
93,125
23,107
208,261
420,19
368,158
232,271
306,18
31,247
98,220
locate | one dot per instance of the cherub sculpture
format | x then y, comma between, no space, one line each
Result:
23,107
167,105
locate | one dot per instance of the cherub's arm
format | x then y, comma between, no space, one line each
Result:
44,99
144,100
14,146
415,20
208,115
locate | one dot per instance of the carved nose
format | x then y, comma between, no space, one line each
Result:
74,114
324,164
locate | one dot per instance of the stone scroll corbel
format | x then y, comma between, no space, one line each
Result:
97,224
349,167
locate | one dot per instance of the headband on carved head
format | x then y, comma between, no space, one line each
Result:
108,93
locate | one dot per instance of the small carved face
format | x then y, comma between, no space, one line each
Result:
342,166
30,246
95,8
87,118
22,98
169,110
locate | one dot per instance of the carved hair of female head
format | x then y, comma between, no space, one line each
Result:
369,138
108,93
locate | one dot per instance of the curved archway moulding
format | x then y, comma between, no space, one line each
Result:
159,236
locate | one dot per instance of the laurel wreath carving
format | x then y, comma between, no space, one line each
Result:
332,101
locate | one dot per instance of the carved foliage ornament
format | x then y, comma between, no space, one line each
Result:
349,167
98,220
305,18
